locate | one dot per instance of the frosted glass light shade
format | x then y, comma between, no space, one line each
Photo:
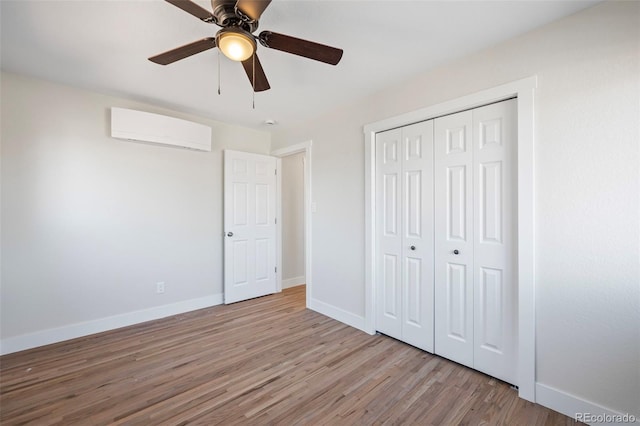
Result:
236,44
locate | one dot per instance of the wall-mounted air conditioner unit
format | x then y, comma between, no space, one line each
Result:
142,126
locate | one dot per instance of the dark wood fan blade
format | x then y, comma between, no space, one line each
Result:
185,51
297,46
252,8
261,79
192,8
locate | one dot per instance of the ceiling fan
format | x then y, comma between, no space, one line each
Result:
239,19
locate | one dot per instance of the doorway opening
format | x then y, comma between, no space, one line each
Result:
294,217
292,202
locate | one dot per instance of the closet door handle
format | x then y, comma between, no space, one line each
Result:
230,234
412,247
456,252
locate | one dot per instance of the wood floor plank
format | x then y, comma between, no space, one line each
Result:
263,361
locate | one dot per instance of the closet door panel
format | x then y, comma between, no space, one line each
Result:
454,237
417,243
495,322
389,236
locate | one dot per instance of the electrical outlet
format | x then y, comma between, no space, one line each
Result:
160,287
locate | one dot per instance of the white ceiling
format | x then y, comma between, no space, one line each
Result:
104,46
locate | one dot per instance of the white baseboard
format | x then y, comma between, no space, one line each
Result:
292,282
55,335
571,405
337,314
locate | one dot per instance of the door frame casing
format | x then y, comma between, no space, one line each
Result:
524,92
304,147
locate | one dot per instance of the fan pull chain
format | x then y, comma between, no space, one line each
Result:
254,80
218,71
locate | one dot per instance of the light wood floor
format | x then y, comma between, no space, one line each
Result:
263,361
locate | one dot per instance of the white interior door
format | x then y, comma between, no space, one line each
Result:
495,298
454,237
250,225
405,234
389,233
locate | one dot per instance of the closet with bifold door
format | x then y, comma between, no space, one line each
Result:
445,240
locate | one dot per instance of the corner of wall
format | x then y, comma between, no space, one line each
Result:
338,314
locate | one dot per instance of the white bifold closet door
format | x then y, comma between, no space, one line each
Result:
475,247
404,243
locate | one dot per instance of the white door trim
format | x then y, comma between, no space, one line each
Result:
524,91
284,152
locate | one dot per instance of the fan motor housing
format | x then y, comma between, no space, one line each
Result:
227,16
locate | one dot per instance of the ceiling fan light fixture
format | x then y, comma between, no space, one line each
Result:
236,44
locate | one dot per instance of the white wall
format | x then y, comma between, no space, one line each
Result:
293,220
587,193
91,223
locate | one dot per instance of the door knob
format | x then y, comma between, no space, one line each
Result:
456,252
412,247
229,234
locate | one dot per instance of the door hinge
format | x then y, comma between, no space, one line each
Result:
276,219
275,172
276,269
